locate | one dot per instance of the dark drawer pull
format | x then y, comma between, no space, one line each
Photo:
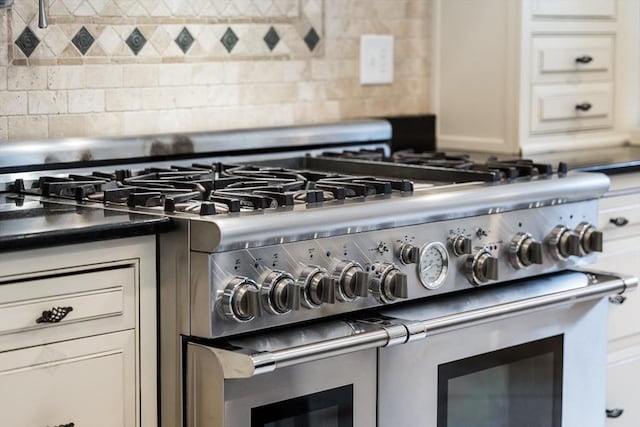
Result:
66,425
617,299
619,221
584,59
585,106
54,315
614,413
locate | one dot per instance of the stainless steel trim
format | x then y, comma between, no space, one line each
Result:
440,203
240,362
23,153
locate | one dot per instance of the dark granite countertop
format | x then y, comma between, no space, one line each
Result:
27,223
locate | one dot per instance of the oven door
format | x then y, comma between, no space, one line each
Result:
542,368
337,391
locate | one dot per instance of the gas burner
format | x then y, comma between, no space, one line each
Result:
435,158
213,189
507,169
363,154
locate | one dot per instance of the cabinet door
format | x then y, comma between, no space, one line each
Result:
622,393
564,8
87,382
622,255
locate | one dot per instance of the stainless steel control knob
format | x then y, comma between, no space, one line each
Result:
388,283
590,238
563,243
481,267
318,287
352,281
409,254
280,293
524,250
240,300
461,245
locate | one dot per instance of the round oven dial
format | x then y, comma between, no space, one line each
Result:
481,267
461,245
524,250
389,283
240,300
433,265
280,293
590,238
318,287
352,280
563,243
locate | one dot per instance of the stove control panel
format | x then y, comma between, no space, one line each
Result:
297,281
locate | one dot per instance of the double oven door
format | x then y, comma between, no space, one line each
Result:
510,356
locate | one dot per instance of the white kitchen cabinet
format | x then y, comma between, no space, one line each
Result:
622,388
581,8
87,382
533,76
95,363
619,219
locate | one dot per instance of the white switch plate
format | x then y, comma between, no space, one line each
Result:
376,59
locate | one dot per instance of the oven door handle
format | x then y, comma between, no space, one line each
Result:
236,361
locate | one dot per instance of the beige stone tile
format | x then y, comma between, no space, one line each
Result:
129,99
86,101
110,40
174,74
66,77
160,98
85,125
27,127
104,76
13,103
3,78
56,39
138,75
191,97
4,129
268,93
47,102
207,73
223,95
26,78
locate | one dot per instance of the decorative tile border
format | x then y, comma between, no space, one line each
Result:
157,31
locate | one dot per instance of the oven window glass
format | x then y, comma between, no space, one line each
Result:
330,408
515,386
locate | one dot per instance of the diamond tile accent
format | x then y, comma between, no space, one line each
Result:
311,39
83,40
229,39
184,40
27,41
136,41
271,38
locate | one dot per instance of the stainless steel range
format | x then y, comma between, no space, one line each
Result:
315,280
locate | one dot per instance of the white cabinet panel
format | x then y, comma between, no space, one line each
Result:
100,300
622,392
571,59
583,8
571,107
88,382
622,256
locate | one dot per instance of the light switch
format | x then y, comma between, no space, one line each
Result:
376,59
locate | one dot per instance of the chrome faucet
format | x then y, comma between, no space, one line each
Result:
42,15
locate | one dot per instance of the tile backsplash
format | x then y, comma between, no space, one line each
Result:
123,67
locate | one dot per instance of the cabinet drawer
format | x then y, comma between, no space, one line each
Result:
622,256
622,384
88,382
564,8
571,59
99,301
557,108
619,216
